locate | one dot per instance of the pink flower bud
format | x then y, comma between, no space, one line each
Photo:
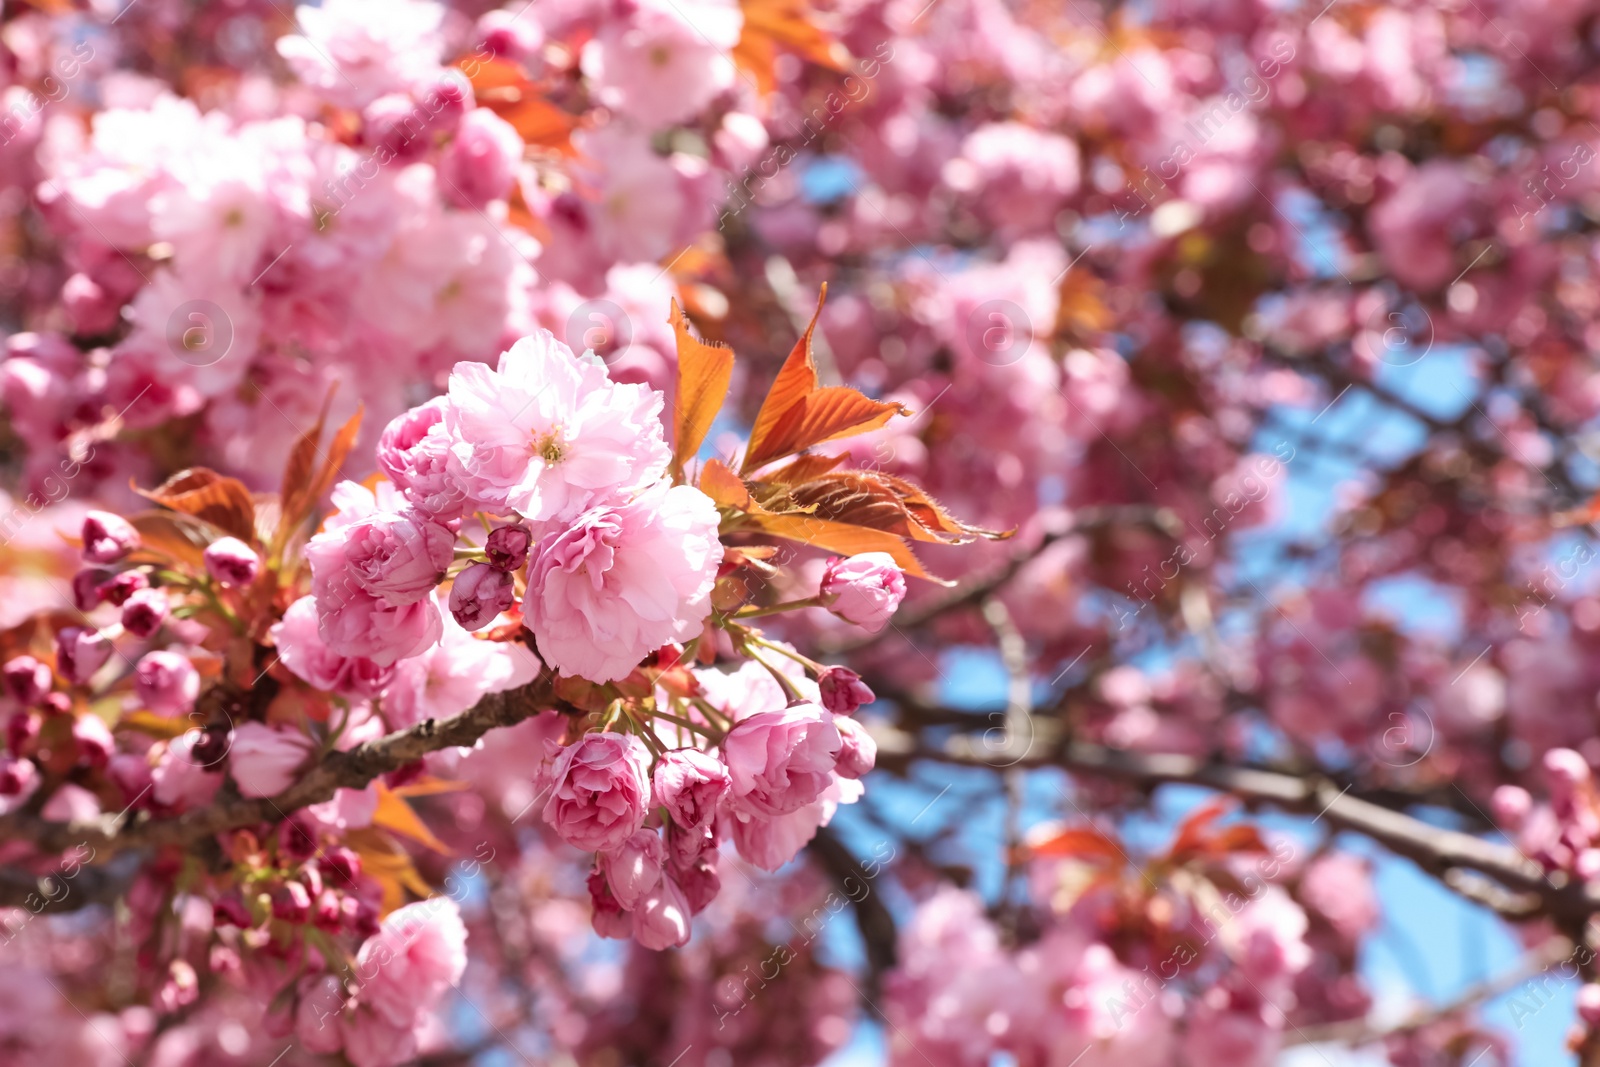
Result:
55,704
311,877
26,680
1589,1004
232,562
144,612
328,913
119,587
607,915
480,166
1511,805
1566,768
662,917
166,682
22,731
858,752
107,537
80,652
291,903
229,910
843,691
93,739
864,589
690,784
503,34
18,777
507,547
633,868
86,585
344,866
479,594
700,883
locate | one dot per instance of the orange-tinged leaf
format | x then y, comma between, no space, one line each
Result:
502,85
199,491
173,533
826,414
1082,309
804,468
389,866
884,502
704,371
1080,843
843,538
799,412
770,25
1199,835
725,488
338,450
395,814
428,786
153,725
298,472
310,471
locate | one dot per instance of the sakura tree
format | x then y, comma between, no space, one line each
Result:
763,532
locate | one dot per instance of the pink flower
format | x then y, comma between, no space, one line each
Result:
623,580
479,594
633,868
19,778
93,740
80,652
316,1016
691,784
507,547
480,164
371,1041
780,761
353,51
364,626
454,675
119,587
864,589
662,917
144,612
231,562
302,650
397,557
607,915
1219,1035
843,691
547,435
107,537
599,791
166,682
26,680
419,952
414,452
666,61
264,759
858,752
180,778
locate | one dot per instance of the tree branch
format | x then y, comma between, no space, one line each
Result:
354,769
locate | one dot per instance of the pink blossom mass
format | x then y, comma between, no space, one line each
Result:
799,533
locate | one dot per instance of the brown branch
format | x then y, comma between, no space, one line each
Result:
354,769
1436,851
